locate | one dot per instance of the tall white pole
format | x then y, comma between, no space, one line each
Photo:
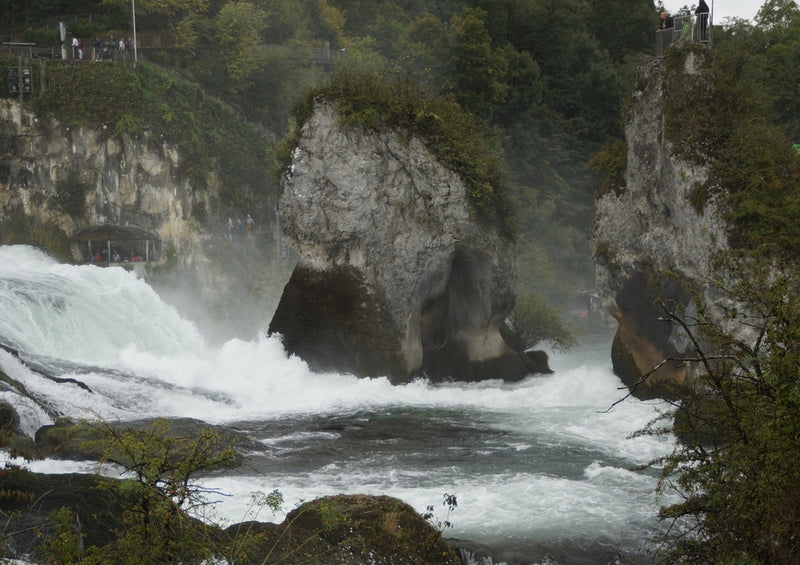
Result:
135,52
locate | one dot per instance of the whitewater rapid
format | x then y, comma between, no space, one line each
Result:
538,461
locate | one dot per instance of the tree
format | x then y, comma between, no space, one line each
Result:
239,26
423,50
776,15
625,28
162,490
736,468
477,73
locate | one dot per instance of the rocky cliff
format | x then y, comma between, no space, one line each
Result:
122,179
396,276
56,180
649,240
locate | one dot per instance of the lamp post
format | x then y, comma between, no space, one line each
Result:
133,15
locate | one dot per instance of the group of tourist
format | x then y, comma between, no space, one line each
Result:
702,11
672,28
237,231
115,257
108,49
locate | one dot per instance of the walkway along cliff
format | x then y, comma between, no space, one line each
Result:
396,275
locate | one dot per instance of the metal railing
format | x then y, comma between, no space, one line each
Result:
686,27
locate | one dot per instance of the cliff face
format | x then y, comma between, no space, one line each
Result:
649,240
125,180
396,275
135,180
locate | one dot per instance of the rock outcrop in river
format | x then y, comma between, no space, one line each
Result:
396,276
649,239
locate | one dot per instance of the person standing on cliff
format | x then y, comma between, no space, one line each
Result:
702,20
666,22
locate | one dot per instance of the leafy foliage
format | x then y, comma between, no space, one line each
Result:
610,164
724,118
155,525
735,470
533,321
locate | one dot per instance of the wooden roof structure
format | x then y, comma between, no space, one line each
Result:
112,232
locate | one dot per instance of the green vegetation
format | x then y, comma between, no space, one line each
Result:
735,470
725,118
456,139
534,321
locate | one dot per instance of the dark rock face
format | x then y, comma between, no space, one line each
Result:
325,319
397,276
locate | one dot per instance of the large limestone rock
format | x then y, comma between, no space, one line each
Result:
649,240
397,275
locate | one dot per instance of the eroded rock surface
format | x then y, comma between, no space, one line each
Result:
397,275
649,240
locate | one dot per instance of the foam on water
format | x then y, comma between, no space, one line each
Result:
83,313
540,459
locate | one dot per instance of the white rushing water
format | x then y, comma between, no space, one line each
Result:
534,464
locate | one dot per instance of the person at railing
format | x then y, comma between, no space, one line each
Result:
664,33
702,20
666,22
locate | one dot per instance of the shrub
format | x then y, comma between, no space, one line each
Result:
534,321
735,470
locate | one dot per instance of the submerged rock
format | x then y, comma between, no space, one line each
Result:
397,275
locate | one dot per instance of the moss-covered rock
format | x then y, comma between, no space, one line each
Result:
88,440
352,529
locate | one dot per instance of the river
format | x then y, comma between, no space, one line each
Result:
540,468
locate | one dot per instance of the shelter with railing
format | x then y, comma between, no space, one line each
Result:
685,27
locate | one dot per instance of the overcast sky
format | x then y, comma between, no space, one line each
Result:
745,9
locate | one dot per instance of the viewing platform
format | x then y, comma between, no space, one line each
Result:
116,245
694,28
